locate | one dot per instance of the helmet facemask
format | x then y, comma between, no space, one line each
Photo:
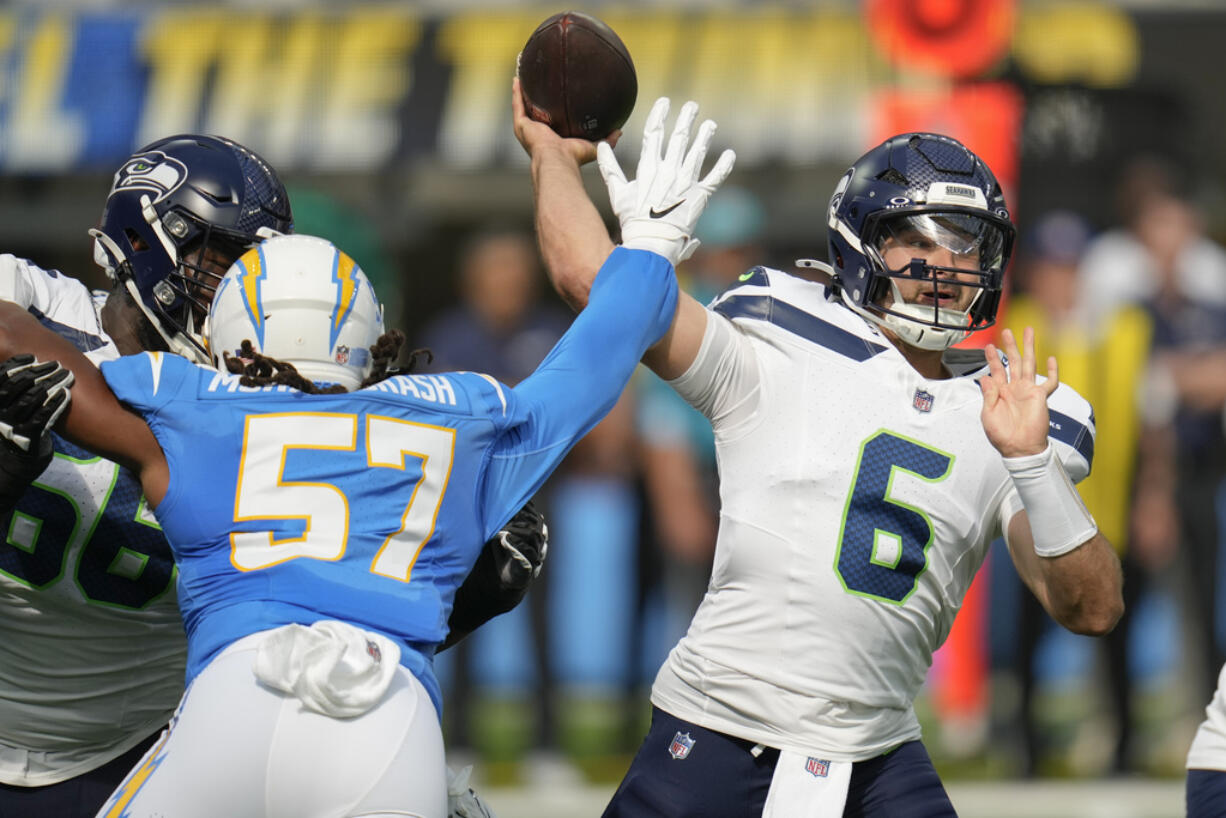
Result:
197,254
940,314
180,211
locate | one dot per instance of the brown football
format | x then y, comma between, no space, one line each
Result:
577,76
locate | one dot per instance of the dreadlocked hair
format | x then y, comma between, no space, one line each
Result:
382,354
258,369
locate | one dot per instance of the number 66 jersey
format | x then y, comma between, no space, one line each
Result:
91,644
858,500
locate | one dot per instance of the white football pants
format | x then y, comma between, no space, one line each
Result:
239,749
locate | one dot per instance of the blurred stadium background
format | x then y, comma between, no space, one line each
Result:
391,124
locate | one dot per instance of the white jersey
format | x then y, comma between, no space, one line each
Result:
1208,750
858,500
92,649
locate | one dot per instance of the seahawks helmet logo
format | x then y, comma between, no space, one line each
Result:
154,172
837,198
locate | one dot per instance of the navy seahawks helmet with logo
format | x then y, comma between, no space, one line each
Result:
180,211
932,184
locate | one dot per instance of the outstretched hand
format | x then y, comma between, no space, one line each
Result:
659,208
535,135
1015,416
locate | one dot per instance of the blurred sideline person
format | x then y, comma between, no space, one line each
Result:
679,472
500,327
866,469
276,574
1105,360
1161,260
92,651
679,466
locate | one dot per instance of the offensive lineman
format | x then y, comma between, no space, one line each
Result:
866,467
91,640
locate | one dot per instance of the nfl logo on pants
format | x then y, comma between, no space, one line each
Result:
818,766
680,746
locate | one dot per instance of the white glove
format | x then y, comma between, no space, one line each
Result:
659,209
462,800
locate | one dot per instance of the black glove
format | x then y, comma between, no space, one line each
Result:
32,398
508,563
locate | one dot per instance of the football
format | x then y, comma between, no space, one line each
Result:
577,77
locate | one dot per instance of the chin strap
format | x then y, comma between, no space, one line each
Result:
908,323
179,342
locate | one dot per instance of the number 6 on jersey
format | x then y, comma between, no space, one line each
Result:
883,546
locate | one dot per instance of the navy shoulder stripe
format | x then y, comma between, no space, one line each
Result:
84,341
798,322
1063,428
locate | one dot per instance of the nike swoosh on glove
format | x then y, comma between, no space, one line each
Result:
659,208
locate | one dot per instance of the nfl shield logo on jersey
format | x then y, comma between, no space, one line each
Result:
681,746
922,400
819,767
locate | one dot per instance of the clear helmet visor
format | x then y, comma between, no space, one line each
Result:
975,242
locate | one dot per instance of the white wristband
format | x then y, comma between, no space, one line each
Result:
1059,520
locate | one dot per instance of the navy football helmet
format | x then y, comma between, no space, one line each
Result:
180,211
931,186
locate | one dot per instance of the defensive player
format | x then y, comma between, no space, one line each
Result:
866,467
336,610
92,651
1206,781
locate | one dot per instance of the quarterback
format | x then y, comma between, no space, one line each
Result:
865,468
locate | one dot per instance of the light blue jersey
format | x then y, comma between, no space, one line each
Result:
371,507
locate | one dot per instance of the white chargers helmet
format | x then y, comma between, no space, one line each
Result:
300,300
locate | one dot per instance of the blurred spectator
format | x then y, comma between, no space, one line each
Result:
501,327
1104,360
1163,259
679,476
1158,248
574,624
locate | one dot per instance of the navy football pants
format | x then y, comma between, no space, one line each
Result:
1206,794
721,778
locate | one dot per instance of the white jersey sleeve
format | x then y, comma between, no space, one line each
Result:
723,380
63,304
